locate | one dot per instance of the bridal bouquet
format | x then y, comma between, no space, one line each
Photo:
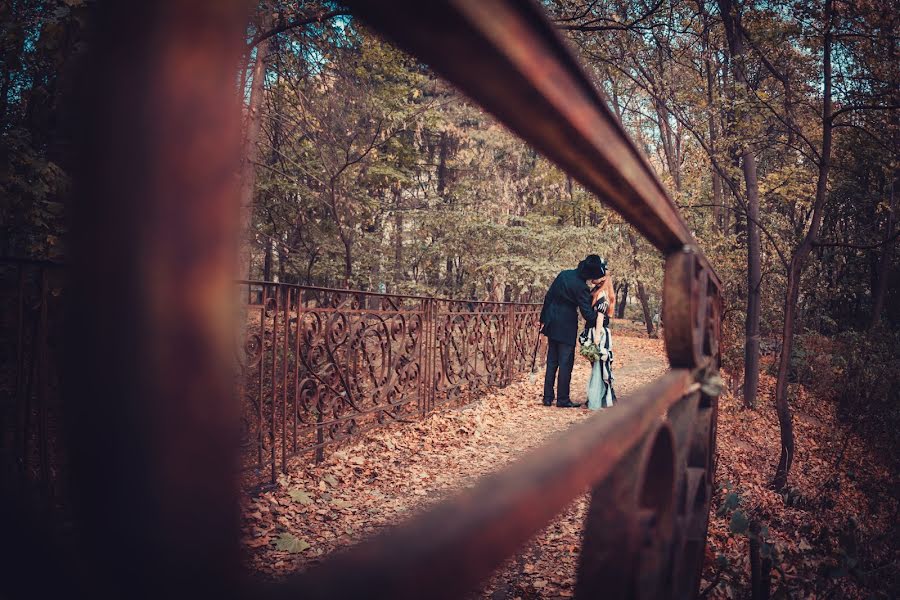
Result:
591,351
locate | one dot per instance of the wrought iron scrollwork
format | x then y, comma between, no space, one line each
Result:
321,366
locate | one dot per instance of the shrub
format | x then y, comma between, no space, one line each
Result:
868,376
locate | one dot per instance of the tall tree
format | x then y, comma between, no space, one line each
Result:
799,257
731,19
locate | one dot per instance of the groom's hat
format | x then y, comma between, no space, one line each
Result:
592,267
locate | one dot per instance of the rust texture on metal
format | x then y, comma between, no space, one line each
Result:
320,366
148,394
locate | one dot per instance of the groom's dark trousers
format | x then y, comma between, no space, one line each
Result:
559,356
567,297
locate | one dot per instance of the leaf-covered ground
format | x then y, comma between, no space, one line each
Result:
833,532
381,480
833,535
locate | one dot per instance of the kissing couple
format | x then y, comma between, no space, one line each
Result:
587,289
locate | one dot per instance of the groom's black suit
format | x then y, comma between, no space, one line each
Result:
559,317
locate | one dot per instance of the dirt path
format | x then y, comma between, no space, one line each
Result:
363,488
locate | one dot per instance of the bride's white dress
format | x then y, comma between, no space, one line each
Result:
600,392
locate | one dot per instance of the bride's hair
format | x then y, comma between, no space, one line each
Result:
607,287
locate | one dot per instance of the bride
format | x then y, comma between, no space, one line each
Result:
596,345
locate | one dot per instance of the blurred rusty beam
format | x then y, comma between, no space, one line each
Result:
447,551
507,56
149,393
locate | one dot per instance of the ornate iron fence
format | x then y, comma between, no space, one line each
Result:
320,366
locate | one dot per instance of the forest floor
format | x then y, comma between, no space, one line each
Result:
833,532
392,473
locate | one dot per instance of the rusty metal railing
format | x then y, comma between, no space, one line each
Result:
320,366
149,394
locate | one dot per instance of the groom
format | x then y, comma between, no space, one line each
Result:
559,322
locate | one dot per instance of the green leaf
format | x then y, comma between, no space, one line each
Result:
300,496
730,503
330,480
288,542
732,500
739,522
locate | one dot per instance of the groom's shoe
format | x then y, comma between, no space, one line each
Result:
568,404
548,402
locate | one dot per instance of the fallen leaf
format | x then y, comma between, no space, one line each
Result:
300,496
288,542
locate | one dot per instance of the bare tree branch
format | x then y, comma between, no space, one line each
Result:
887,240
299,21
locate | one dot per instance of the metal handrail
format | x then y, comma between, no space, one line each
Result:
380,294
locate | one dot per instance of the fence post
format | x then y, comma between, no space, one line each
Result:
423,358
510,343
285,363
273,391
431,353
260,393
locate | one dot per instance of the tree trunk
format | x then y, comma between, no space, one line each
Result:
621,300
785,425
879,290
448,281
718,211
309,265
282,263
571,191
645,306
398,239
443,171
731,19
760,567
795,272
252,125
754,280
348,260
641,291
669,147
267,262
